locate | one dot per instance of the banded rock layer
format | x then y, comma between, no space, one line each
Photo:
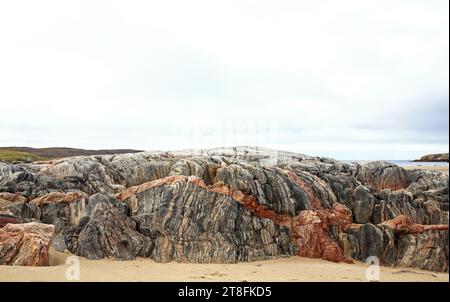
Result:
237,204
25,244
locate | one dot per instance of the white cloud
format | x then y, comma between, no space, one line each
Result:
337,76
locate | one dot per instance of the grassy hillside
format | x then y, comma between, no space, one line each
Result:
11,155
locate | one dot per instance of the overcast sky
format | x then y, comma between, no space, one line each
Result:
345,79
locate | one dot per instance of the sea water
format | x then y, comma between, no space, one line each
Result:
404,162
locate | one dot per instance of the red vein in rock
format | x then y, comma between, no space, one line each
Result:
57,197
403,224
309,229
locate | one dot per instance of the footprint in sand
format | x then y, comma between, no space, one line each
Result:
218,274
198,277
405,271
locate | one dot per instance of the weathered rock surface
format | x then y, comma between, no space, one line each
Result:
379,176
235,204
401,242
190,221
107,231
364,203
25,244
6,218
12,197
433,157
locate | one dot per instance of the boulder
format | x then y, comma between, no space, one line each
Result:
25,244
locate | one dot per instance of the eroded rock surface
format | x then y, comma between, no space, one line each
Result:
7,217
25,244
235,204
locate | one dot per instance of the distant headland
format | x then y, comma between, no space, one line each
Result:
36,154
433,157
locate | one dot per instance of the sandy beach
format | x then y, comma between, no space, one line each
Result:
431,168
291,269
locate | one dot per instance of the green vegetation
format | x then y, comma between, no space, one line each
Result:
22,153
11,155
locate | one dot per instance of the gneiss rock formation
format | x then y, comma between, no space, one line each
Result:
237,204
25,244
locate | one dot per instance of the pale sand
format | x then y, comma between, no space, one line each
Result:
431,168
284,269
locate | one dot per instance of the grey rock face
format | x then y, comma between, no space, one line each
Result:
26,211
364,203
107,232
187,223
233,204
370,239
59,243
428,250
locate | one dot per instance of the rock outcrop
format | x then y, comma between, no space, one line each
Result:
236,204
25,244
434,157
7,217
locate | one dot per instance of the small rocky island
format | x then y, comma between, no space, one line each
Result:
437,157
223,206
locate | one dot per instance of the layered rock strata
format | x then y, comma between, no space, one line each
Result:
25,244
237,204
